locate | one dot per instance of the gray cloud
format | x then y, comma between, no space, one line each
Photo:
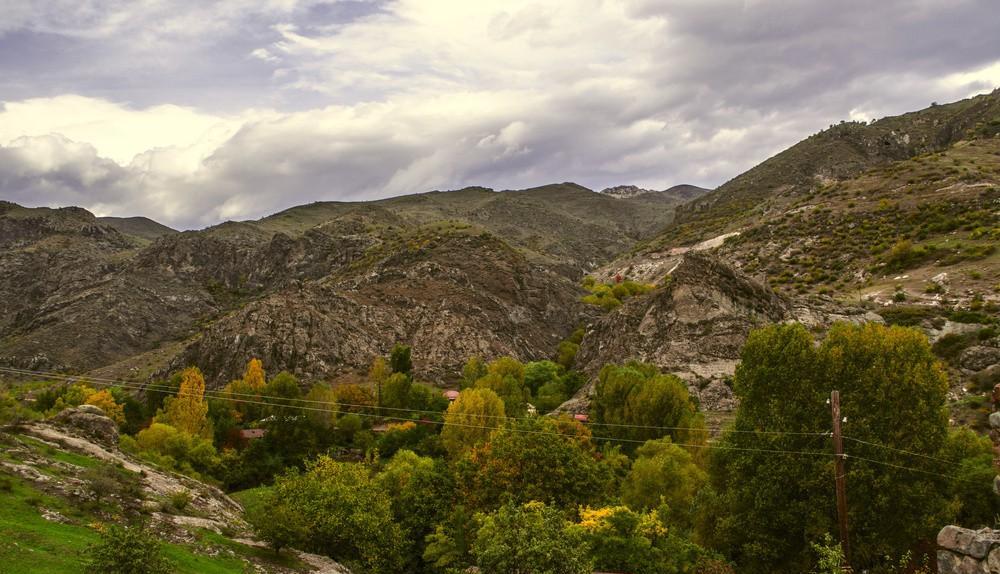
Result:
373,99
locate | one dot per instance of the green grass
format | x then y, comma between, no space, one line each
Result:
29,544
250,498
60,455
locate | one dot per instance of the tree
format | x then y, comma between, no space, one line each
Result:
378,373
510,390
622,540
275,522
546,459
126,550
637,403
664,474
399,359
103,400
182,450
421,490
530,539
893,392
538,373
473,370
254,378
346,514
396,394
470,420
188,411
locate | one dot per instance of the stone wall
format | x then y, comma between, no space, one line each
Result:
964,551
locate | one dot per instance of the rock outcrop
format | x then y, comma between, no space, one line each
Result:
964,551
91,422
694,327
458,296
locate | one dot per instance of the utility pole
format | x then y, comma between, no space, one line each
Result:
841,478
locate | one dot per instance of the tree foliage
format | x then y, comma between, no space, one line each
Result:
533,459
633,397
470,420
188,411
126,550
344,514
664,475
893,392
530,539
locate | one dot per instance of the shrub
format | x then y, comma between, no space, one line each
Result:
126,550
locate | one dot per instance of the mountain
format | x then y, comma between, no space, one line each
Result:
141,227
317,289
842,152
679,193
893,221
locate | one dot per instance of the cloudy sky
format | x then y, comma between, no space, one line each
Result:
194,112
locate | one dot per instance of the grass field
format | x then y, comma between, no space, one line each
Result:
31,544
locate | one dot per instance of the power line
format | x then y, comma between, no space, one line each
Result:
137,386
901,450
228,394
165,389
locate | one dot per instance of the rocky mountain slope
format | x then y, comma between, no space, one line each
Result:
682,192
322,287
896,221
65,478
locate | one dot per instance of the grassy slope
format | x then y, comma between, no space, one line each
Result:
31,544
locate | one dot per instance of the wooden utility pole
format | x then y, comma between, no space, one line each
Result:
841,477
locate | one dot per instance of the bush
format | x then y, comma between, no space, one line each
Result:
126,550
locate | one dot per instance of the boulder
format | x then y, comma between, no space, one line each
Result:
90,422
979,358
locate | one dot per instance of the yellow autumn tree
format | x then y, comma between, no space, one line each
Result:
254,377
470,420
188,411
104,401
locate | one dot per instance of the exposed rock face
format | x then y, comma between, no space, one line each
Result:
694,328
964,551
462,296
980,357
91,422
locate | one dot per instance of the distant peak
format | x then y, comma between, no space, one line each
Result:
629,191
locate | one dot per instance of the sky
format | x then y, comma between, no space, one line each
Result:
194,112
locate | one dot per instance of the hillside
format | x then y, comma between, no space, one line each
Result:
839,153
141,227
65,479
897,219
503,264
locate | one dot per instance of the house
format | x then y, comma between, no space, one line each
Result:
250,434
451,395
581,417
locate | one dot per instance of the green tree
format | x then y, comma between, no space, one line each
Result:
538,373
473,370
893,392
421,490
400,361
396,392
542,459
973,482
664,474
622,540
276,522
470,420
510,390
633,397
346,514
126,550
530,539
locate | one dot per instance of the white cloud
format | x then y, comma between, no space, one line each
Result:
423,94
